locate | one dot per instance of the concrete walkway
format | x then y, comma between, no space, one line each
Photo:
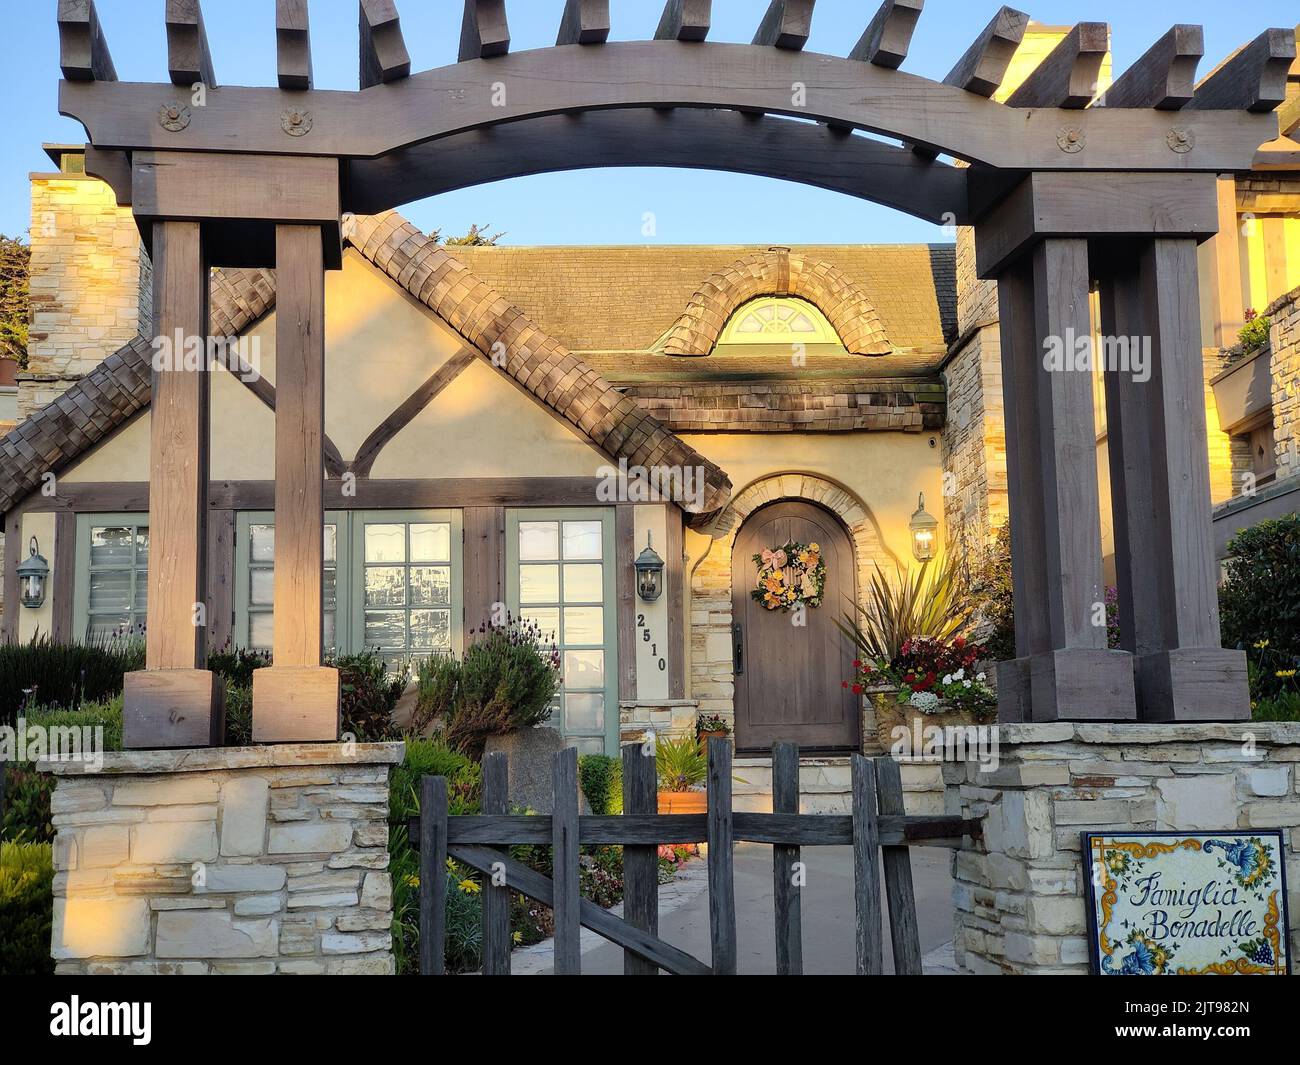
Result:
828,918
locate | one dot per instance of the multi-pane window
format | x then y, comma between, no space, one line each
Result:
255,563
774,319
406,585
562,579
115,559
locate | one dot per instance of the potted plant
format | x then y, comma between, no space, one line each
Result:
682,767
711,726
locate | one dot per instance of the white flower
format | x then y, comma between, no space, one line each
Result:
979,676
965,684
926,702
947,678
959,674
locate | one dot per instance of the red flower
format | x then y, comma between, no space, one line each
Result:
844,684
959,642
857,689
857,663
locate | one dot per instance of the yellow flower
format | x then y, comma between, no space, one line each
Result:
412,881
1259,646
451,864
470,887
517,937
815,548
1285,673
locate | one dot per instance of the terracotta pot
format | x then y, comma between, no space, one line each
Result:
683,802
704,737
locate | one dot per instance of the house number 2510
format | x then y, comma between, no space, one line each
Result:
648,637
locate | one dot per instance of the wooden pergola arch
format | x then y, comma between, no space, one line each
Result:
1064,190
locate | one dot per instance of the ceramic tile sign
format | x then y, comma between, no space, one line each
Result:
1172,903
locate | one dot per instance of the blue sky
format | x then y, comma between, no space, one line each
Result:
585,207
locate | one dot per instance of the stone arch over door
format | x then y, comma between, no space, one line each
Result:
712,673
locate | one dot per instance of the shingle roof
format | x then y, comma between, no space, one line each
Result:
625,298
119,387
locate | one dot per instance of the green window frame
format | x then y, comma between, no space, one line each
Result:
124,574
551,555
389,578
254,587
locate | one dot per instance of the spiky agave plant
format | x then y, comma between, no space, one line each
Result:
924,602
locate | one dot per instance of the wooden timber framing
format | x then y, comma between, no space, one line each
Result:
484,565
889,34
650,74
292,44
65,553
83,52
383,54
188,60
684,20
1252,80
1165,76
222,531
584,22
12,527
625,598
1070,76
675,579
786,24
483,30
981,69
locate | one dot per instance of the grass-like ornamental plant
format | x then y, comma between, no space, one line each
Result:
1259,604
26,910
929,601
682,764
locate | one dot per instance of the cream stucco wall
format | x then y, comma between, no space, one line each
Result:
37,620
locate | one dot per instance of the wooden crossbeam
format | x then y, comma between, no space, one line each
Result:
584,22
83,51
292,44
985,62
1165,76
684,20
1254,79
483,31
786,24
384,56
526,881
889,34
1069,76
188,59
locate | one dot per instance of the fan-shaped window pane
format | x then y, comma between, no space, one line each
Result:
778,319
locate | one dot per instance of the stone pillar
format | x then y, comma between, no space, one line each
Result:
230,860
1020,893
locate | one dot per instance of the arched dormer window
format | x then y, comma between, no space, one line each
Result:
779,320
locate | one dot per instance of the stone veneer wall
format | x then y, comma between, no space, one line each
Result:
1020,893
1284,338
227,860
712,679
90,284
663,717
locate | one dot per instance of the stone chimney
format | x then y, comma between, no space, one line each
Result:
90,281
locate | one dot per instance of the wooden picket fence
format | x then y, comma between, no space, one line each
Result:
877,829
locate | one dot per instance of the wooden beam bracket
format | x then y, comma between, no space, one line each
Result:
1252,80
684,20
83,51
484,32
584,22
189,62
889,34
384,57
786,24
1165,76
1070,75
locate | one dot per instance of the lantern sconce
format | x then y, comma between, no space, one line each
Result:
649,573
33,574
924,528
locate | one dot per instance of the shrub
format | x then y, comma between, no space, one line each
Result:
601,779
1254,334
368,696
237,664
63,674
27,792
239,715
1259,603
437,681
26,908
1284,707
508,678
681,763
992,596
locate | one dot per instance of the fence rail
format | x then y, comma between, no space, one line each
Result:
877,829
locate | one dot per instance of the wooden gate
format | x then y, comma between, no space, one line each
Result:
876,825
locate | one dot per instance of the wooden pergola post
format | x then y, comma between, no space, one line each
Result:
1063,667
1164,551
175,701
296,698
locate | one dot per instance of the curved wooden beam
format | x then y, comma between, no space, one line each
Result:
662,74
803,152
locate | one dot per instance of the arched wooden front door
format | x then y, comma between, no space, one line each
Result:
789,677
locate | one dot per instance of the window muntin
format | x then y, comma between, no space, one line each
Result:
562,578
114,559
255,566
778,320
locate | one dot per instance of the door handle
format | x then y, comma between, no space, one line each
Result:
737,649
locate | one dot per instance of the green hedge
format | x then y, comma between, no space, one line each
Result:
601,778
63,674
1259,603
26,909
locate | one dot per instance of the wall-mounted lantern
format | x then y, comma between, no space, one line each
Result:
649,573
924,528
33,573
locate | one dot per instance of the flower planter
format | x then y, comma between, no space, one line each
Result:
704,737
894,712
683,802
